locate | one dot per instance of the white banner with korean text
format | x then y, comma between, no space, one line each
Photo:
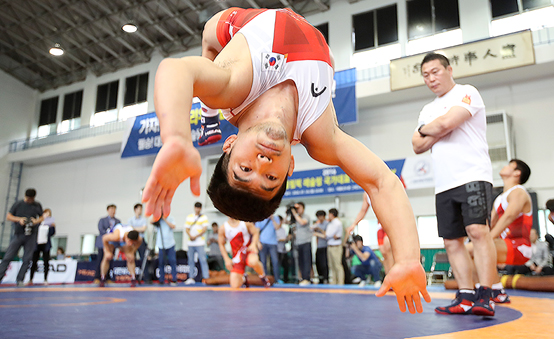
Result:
484,56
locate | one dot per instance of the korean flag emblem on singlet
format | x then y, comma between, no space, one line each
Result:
273,62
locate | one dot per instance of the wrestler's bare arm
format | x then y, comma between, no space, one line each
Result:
326,143
360,216
223,83
114,236
517,199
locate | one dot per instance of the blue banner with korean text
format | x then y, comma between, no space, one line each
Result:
142,136
328,181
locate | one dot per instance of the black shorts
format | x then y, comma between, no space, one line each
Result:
463,206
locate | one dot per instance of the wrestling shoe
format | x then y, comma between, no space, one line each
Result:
500,297
210,131
245,283
265,280
190,281
102,283
133,282
484,304
462,304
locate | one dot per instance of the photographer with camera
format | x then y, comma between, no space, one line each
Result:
303,240
25,215
369,264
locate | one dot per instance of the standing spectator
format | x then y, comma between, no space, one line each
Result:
282,239
268,240
333,235
104,225
196,225
540,262
369,263
454,127
215,259
25,215
165,241
45,231
140,224
303,241
321,252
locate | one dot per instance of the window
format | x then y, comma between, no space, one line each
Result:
48,111
136,89
545,226
88,242
375,28
324,29
72,105
427,17
501,8
535,20
106,96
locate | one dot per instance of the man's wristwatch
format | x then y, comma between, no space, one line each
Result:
419,130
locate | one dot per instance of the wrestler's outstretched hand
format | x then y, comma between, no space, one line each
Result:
407,279
177,161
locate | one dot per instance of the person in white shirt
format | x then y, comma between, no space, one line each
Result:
196,226
333,235
454,126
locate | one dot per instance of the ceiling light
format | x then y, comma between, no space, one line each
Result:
129,28
57,50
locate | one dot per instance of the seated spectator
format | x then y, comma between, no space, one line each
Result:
369,263
60,254
540,262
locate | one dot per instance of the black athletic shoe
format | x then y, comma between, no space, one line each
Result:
102,283
484,304
245,283
462,304
210,131
134,283
266,282
500,297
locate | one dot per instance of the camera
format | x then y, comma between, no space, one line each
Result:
157,223
28,226
290,216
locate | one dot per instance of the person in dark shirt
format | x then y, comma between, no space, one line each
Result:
25,215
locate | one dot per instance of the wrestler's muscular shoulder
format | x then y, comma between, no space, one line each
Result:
235,59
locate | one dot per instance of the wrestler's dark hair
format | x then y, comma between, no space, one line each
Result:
524,169
435,56
550,205
239,203
132,235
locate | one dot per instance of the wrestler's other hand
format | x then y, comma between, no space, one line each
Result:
177,161
407,279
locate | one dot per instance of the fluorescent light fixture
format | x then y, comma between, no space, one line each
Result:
129,28
57,50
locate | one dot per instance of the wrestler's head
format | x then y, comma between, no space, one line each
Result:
251,176
131,238
516,169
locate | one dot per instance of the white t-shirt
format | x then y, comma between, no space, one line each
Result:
463,155
195,224
334,228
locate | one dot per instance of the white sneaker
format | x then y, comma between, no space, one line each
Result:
304,283
356,280
377,283
362,283
190,281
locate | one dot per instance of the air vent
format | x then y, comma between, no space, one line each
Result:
494,118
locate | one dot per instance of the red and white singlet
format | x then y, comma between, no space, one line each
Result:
239,238
516,235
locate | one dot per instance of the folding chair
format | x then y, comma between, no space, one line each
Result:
436,275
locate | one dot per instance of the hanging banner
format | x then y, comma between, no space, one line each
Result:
480,57
344,97
415,172
60,271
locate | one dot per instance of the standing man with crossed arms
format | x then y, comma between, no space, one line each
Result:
454,127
